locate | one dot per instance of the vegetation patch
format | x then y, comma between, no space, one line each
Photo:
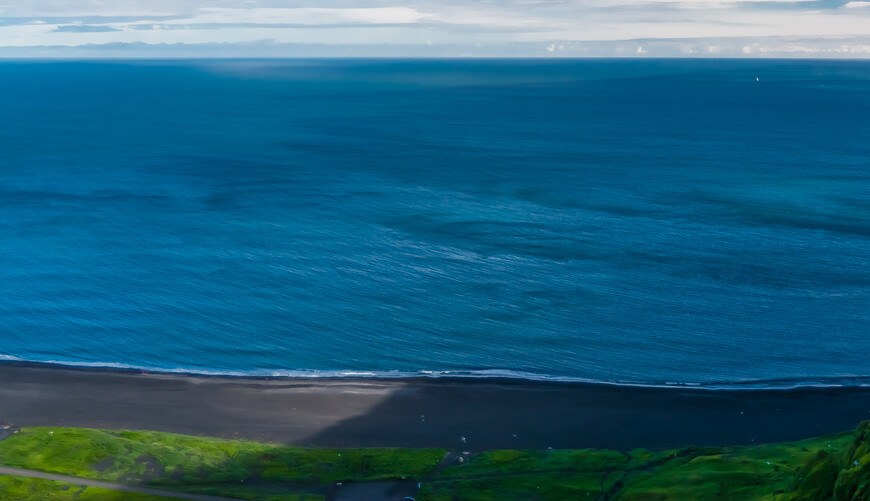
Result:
808,470
250,470
541,486
33,489
165,458
507,462
835,467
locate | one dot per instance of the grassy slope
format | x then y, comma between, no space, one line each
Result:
764,472
206,465
31,489
166,458
835,467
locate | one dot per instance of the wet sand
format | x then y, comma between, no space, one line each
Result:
453,413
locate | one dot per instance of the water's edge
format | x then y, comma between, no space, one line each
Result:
469,375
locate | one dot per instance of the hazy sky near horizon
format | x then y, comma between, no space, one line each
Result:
815,28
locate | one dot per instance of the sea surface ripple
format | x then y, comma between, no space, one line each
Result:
621,221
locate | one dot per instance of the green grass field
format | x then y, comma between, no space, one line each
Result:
236,468
168,459
31,489
834,468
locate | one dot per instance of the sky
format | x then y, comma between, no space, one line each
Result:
435,28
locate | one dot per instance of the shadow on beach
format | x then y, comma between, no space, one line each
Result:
477,416
456,414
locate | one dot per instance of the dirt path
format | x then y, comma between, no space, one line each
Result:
4,470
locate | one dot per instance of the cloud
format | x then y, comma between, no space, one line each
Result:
86,8
547,27
84,28
779,47
303,16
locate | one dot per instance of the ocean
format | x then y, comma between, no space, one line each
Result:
689,222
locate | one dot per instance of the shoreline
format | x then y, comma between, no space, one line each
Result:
506,375
489,413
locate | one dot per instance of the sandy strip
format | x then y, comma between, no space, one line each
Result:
452,413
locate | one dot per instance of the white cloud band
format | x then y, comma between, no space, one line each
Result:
495,23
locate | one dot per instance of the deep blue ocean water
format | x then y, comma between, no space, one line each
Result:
632,221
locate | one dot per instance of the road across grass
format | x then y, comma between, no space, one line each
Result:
110,485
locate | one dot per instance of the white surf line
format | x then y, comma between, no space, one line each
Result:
18,472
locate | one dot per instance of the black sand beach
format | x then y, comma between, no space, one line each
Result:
453,413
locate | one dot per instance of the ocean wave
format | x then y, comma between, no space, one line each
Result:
483,374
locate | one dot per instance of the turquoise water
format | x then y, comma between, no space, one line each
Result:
618,221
